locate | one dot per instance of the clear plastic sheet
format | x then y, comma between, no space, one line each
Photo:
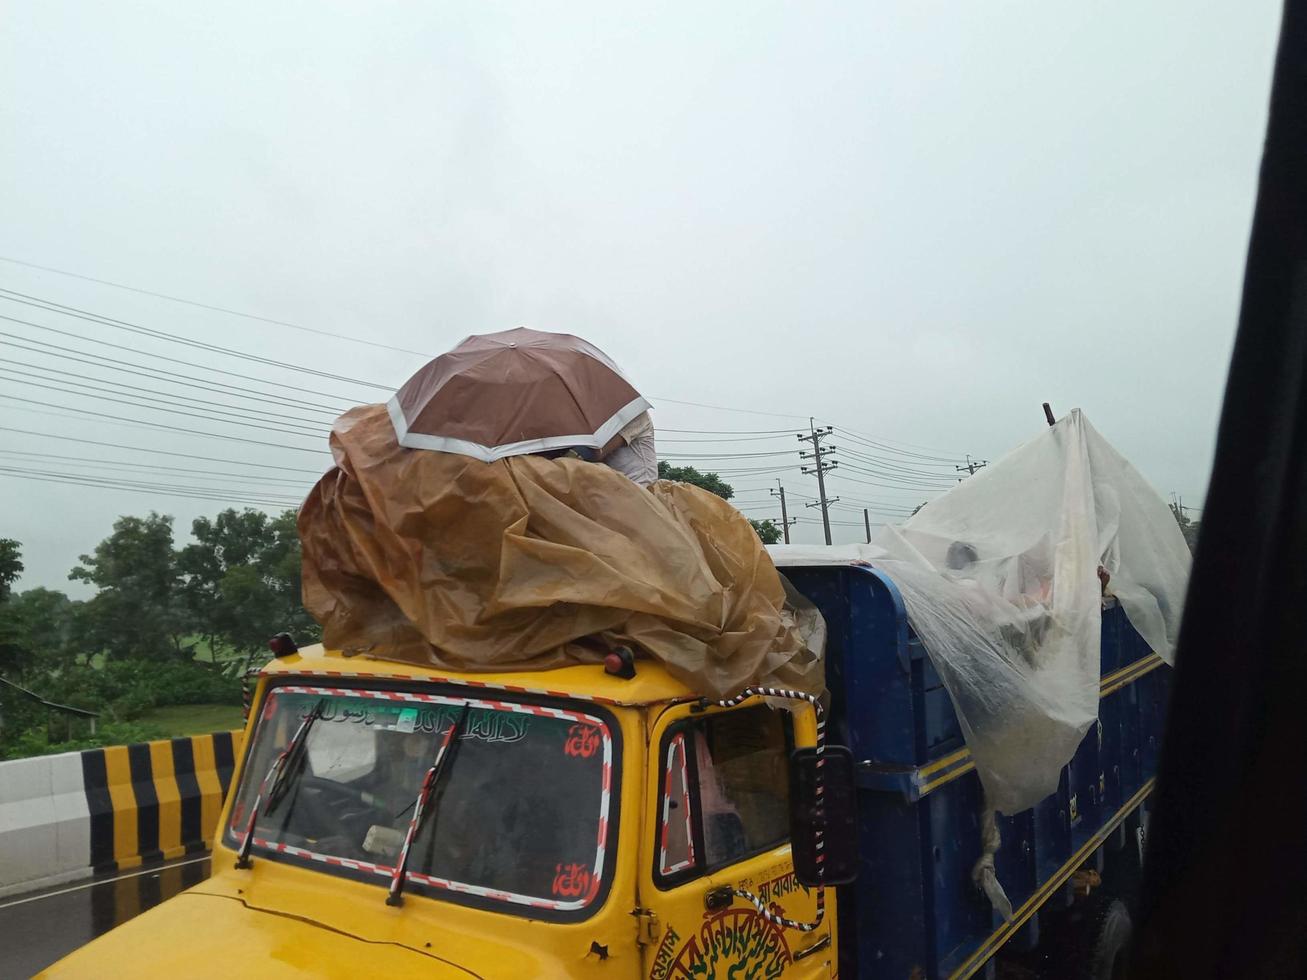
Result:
532,563
1000,580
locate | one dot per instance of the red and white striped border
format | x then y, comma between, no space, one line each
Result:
461,682
675,746
328,859
605,797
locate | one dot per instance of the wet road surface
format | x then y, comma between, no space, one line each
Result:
38,929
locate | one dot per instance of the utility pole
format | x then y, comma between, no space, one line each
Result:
1178,508
866,519
819,467
972,466
786,519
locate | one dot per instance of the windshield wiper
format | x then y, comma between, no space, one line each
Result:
275,783
429,783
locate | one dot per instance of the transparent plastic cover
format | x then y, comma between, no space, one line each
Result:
1000,578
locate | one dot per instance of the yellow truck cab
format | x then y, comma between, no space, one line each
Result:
565,823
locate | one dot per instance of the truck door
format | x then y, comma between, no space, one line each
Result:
719,792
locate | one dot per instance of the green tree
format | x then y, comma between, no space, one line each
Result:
241,579
768,531
282,564
11,566
39,633
138,609
705,481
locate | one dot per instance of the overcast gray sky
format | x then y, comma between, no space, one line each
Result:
913,220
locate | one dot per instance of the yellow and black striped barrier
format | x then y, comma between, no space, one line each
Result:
156,800
72,815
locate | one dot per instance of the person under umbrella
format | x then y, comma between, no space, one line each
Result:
526,391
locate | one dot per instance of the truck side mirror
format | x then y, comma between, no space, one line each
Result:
838,822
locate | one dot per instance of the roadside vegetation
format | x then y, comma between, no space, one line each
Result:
159,649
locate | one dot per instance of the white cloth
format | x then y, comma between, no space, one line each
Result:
636,457
1015,634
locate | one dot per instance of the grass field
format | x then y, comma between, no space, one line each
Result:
192,719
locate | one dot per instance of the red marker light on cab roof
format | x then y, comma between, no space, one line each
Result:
620,663
282,645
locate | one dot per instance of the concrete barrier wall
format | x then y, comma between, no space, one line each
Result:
64,817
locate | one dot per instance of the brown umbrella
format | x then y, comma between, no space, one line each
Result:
512,393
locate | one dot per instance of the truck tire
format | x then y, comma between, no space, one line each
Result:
1107,932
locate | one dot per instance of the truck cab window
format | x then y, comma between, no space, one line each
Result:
537,848
735,766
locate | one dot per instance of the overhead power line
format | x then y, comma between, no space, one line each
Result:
731,432
160,425
903,466
61,309
161,375
885,473
88,461
313,330
151,395
894,480
161,452
155,490
948,456
898,456
891,469
271,385
871,502
112,479
714,440
858,509
724,455
813,520
215,309
211,417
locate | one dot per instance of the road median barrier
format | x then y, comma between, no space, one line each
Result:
74,815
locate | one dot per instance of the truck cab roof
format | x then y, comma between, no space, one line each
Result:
588,682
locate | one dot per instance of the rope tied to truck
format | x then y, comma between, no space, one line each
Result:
983,873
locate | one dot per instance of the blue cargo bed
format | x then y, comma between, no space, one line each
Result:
914,911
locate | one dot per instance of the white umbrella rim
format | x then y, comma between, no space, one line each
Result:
488,454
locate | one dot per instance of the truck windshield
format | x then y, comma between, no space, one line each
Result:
520,818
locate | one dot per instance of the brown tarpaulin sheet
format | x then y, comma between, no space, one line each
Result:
443,560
